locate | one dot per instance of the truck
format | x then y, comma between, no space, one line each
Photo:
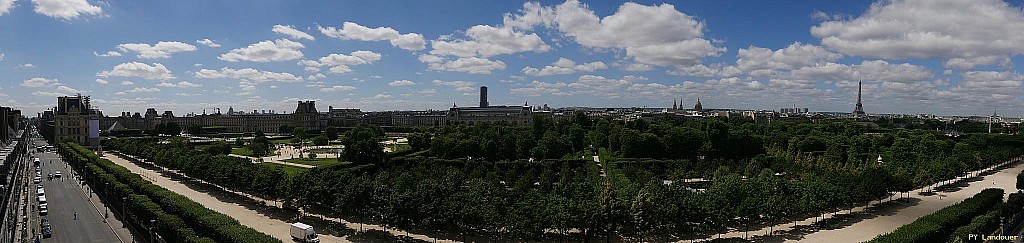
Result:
304,233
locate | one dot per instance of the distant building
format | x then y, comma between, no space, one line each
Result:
858,111
75,118
698,107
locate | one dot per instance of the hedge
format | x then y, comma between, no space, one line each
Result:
217,226
936,227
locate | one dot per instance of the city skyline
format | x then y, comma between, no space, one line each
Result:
187,56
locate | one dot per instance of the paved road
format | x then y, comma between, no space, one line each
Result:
869,228
64,199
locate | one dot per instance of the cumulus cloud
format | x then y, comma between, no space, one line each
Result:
354,31
463,86
401,83
138,69
208,42
564,66
107,54
60,91
5,7
142,90
337,88
26,65
248,74
653,35
65,9
162,49
928,29
794,56
292,32
101,81
39,82
126,82
472,65
340,63
969,63
876,70
265,51
182,84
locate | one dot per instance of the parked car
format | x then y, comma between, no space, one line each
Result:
43,209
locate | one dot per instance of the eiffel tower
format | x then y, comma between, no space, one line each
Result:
858,111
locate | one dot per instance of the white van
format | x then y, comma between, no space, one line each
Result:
303,233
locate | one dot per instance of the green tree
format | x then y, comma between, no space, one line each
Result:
285,129
320,140
331,132
300,133
362,145
195,129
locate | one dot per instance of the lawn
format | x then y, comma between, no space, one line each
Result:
290,170
242,151
315,162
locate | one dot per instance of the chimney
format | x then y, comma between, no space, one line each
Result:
483,96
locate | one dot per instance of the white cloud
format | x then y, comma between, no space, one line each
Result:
426,91
142,90
401,83
655,35
101,81
927,29
564,66
796,55
182,84
877,70
26,65
337,88
39,82
265,51
292,32
487,41
185,94
138,69
5,7
989,84
108,54
126,82
1,53
208,42
316,76
472,65
65,9
249,74
162,49
59,91
969,63
339,63
354,31
459,85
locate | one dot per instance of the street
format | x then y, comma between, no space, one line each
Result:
65,198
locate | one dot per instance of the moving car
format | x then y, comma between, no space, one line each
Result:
303,233
57,174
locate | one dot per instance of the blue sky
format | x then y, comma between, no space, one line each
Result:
939,57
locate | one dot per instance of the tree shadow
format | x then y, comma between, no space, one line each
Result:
839,221
380,236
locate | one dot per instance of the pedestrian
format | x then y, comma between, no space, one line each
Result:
76,215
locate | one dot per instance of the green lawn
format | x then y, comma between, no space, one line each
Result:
315,162
242,151
290,170
281,141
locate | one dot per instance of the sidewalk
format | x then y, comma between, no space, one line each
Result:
869,228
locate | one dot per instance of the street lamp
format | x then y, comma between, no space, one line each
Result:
152,235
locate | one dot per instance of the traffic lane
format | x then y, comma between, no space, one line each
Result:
64,199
